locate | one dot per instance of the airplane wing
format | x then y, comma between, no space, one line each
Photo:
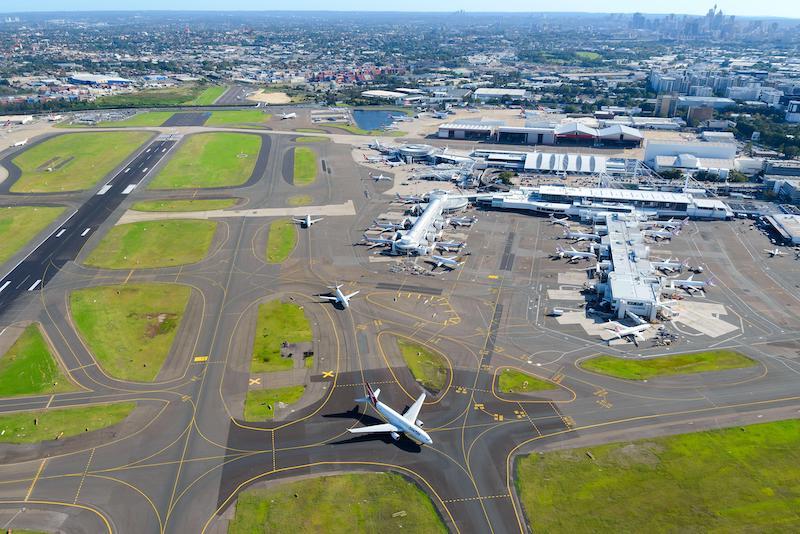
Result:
385,427
351,295
413,411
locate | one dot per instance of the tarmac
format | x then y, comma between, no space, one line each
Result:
179,461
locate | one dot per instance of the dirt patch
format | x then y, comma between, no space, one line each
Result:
161,323
270,98
636,454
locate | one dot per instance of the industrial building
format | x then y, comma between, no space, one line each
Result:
786,225
571,133
699,149
85,78
488,94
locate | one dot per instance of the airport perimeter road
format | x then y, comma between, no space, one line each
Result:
64,243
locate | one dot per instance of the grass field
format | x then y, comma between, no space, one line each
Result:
218,159
200,204
312,139
50,424
76,161
237,117
299,200
163,96
743,479
678,364
513,381
148,118
259,405
152,244
208,96
353,129
588,56
20,224
130,328
277,322
338,504
28,368
305,166
429,368
281,240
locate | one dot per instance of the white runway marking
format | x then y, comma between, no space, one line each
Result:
5,285
61,232
86,232
104,189
128,189
36,283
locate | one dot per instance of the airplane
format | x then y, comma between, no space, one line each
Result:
561,222
338,296
21,143
775,252
380,177
448,246
661,234
285,116
397,424
690,285
387,226
634,332
409,199
463,221
307,221
580,236
574,255
669,266
442,261
373,242
671,224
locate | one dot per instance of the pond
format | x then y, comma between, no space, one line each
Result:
373,119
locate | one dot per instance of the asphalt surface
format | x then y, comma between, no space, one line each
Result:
178,463
64,243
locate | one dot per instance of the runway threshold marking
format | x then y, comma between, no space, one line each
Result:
35,479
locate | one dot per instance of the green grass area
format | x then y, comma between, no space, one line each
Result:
75,161
237,117
200,204
208,96
278,322
678,364
148,118
429,368
43,425
305,166
29,368
218,159
259,404
281,240
299,200
20,224
152,244
743,479
588,56
162,96
308,362
130,328
513,381
338,504
310,139
353,129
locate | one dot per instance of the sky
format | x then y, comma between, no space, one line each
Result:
766,8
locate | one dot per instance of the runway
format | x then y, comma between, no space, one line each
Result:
179,462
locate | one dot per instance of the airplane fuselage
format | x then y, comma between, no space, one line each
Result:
411,430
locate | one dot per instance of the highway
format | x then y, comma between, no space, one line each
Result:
66,241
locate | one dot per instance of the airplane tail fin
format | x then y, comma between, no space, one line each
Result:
372,396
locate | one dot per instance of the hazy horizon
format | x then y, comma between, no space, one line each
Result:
741,8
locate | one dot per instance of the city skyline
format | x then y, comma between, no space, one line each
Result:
739,8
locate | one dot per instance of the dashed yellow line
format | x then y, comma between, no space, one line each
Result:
80,486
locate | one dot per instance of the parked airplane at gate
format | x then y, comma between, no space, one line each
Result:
396,424
634,332
379,177
574,255
690,285
560,222
659,235
669,266
775,252
580,236
463,221
307,221
410,199
373,242
442,261
338,296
